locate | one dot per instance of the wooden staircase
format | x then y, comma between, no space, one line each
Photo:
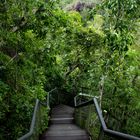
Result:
62,126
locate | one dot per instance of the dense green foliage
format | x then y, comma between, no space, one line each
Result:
43,46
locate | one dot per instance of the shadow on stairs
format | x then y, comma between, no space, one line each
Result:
62,125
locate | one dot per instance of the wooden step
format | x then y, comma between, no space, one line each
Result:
65,132
62,109
61,115
66,138
62,125
78,132
62,120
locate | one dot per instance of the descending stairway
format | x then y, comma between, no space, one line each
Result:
62,126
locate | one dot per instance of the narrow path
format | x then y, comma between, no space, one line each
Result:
62,125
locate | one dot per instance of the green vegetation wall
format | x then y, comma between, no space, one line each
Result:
27,63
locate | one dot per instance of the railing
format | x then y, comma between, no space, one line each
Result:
39,119
55,97
49,96
58,96
89,116
39,122
78,100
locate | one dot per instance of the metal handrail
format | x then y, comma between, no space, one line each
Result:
107,131
48,96
82,94
32,126
27,135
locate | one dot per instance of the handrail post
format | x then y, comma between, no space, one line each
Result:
48,100
58,98
101,134
75,101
